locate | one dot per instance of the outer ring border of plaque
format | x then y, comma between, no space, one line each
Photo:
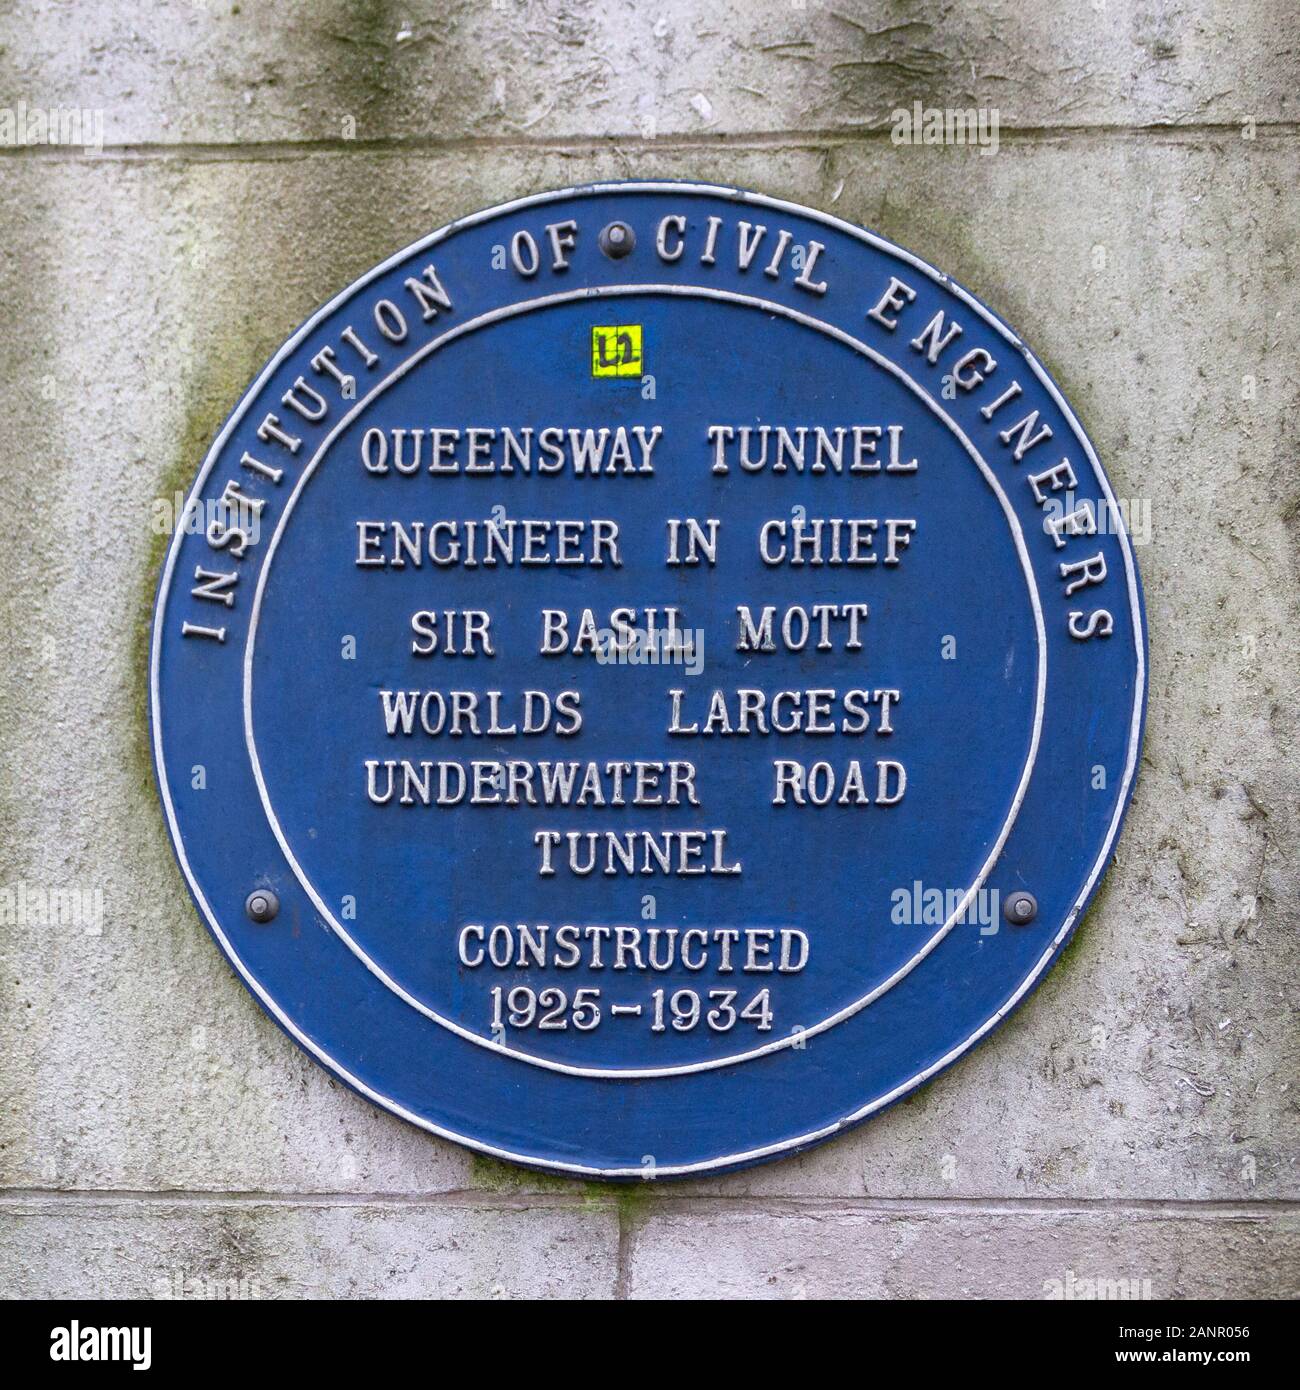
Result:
836,1016
802,1141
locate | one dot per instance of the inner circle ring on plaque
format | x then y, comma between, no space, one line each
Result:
732,299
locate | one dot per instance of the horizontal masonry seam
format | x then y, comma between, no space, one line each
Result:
220,151
15,1200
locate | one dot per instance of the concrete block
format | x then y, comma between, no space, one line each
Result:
218,73
947,1251
215,1249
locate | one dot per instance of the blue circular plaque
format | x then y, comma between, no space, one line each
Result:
646,678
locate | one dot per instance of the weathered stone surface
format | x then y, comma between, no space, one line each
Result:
950,1251
79,1247
328,70
1153,1063
1154,272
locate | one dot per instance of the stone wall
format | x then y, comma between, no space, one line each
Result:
1137,223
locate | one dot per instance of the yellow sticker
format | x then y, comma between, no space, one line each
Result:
616,350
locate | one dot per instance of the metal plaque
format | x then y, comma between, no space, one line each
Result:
646,678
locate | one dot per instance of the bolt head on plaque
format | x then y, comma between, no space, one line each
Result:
617,240
644,676
262,905
1020,908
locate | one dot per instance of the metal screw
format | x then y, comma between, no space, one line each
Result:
262,905
617,240
1020,908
